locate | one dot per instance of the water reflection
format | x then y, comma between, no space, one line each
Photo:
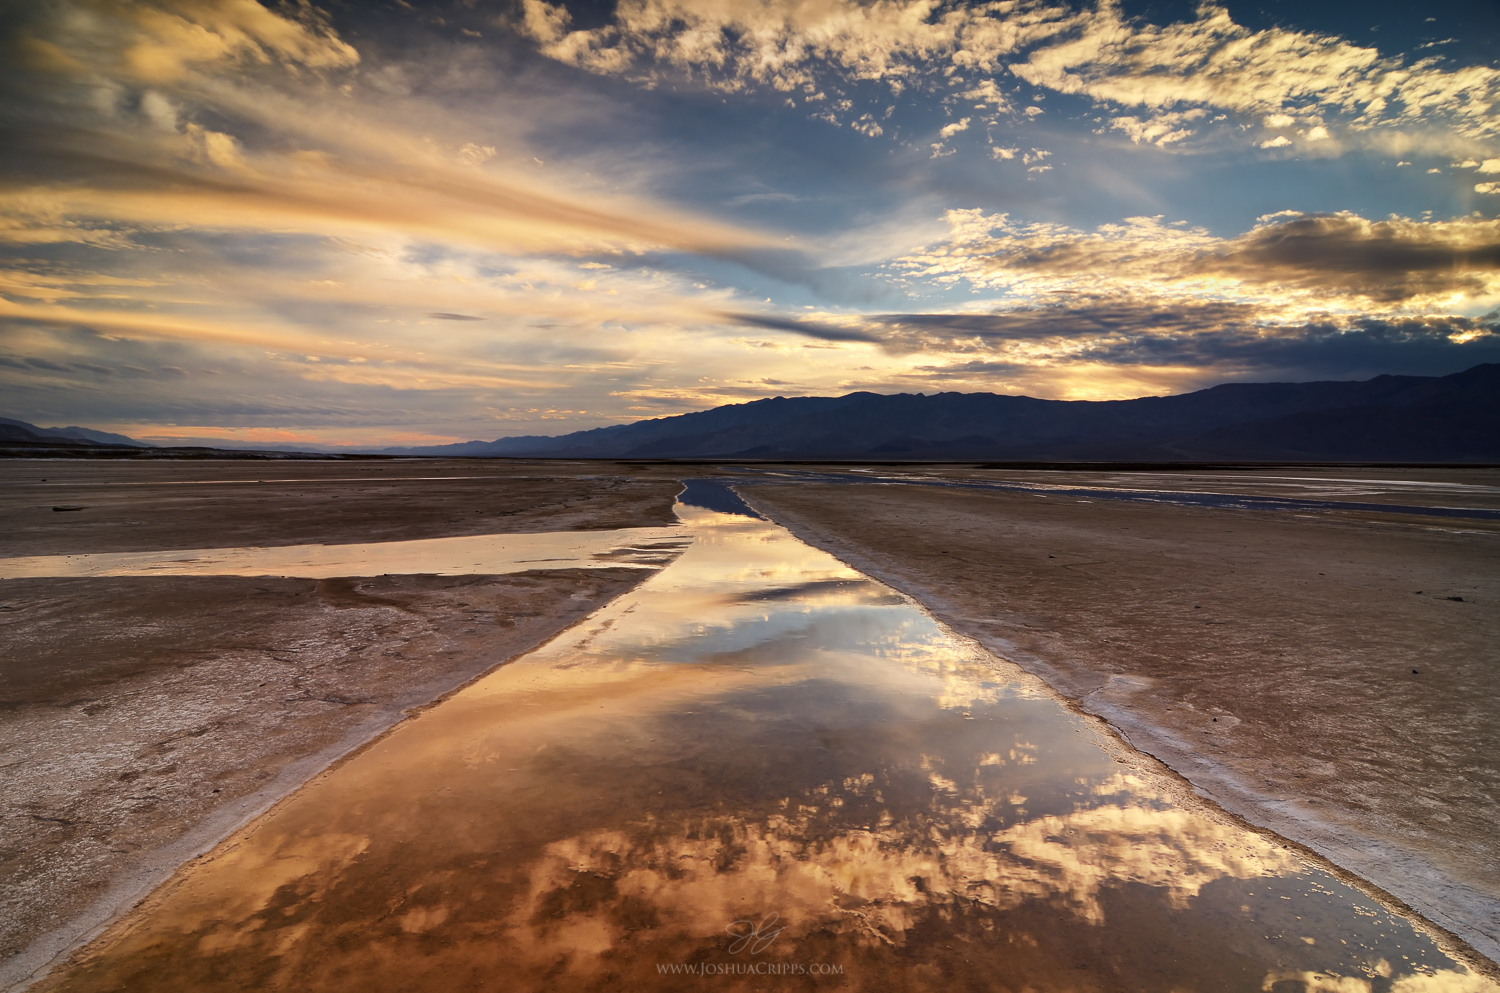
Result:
470,555
758,744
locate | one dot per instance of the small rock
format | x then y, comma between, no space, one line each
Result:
1455,599
1414,672
66,507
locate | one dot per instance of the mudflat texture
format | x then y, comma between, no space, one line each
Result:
1315,673
144,506
143,717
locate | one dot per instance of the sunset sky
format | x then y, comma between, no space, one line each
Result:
413,223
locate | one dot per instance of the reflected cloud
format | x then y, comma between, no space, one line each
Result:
491,554
884,881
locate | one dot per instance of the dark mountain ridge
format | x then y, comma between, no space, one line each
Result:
13,430
1452,418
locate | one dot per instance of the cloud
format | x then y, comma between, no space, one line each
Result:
1160,130
1119,348
1196,333
949,130
1059,324
1213,62
1209,62
413,193
987,95
168,40
1114,347
332,152
748,198
737,44
319,238
409,369
821,330
1387,261
322,214
1292,263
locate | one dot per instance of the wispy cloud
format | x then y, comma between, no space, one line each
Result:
821,330
748,198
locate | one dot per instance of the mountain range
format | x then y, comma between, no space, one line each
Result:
12,430
1452,418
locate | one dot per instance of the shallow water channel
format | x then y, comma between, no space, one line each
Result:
760,770
483,554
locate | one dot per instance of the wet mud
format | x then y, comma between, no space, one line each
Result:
759,770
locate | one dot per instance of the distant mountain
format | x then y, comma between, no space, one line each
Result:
12,430
1389,418
1449,419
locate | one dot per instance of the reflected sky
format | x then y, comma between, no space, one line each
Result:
759,770
468,555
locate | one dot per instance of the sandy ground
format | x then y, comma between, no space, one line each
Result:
142,718
1309,672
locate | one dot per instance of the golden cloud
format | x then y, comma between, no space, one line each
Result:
423,198
1290,263
167,40
781,42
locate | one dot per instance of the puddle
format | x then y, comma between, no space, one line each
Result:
712,494
760,770
486,554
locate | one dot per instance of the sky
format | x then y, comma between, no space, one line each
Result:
328,222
